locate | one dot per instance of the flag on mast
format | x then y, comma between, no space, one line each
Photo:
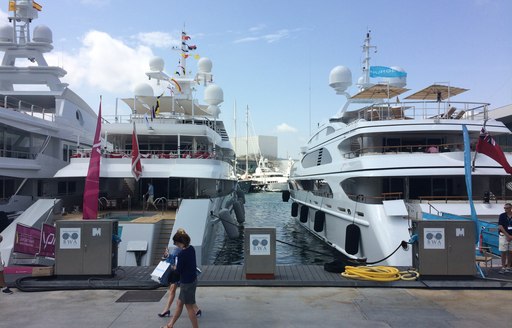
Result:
488,146
136,164
92,181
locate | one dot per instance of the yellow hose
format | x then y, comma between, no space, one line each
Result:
378,273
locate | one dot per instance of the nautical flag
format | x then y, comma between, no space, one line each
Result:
92,181
157,107
12,5
147,121
136,164
37,6
177,84
192,47
184,36
488,146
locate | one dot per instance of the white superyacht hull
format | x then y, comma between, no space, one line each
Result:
368,173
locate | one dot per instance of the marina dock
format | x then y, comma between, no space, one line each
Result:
227,300
136,278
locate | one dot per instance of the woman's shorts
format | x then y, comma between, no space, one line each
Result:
188,292
504,245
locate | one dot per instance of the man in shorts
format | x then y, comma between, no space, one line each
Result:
505,239
4,287
150,196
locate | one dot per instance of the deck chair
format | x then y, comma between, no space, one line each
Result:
397,113
460,114
449,113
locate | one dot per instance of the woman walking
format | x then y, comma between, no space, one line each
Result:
186,267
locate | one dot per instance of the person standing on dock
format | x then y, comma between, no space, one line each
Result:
150,196
3,286
505,238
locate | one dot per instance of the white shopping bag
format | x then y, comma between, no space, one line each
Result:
159,271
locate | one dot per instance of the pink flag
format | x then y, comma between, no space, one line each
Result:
136,165
488,146
92,181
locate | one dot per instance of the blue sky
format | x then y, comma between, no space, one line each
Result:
275,56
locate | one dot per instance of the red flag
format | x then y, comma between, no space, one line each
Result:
136,165
92,181
488,146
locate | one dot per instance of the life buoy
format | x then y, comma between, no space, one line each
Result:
285,195
239,211
319,221
295,209
229,224
352,239
304,210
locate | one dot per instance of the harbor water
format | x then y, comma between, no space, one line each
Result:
295,245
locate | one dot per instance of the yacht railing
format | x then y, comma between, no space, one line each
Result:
423,110
28,108
153,154
419,148
17,154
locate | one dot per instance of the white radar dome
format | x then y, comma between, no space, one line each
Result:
340,78
6,33
143,89
43,33
204,65
214,110
156,64
213,95
398,82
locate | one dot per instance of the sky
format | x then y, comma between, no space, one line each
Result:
275,56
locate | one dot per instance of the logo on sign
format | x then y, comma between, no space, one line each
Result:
433,238
96,232
70,238
260,244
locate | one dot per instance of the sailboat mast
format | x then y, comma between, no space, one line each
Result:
247,142
236,149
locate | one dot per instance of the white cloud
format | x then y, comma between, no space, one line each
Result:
256,28
157,39
283,127
269,38
104,63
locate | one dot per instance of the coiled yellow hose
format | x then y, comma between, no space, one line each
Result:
378,273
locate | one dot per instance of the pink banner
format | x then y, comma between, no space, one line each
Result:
47,247
92,181
27,240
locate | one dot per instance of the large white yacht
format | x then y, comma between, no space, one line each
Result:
384,160
185,154
266,177
41,120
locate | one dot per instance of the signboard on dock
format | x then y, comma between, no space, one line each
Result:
260,244
433,238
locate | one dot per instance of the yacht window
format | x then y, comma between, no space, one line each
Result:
316,158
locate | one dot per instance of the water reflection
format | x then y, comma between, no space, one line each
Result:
265,210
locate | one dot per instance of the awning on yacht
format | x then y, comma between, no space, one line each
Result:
144,105
379,91
436,92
